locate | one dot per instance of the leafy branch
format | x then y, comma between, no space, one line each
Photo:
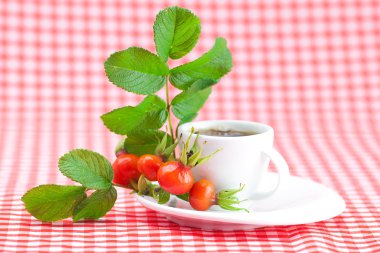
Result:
57,202
176,32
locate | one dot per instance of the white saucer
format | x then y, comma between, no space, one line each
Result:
304,201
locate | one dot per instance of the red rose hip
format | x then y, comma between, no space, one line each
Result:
125,169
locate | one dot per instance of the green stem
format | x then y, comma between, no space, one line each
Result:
168,108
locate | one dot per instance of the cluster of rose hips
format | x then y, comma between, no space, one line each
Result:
173,176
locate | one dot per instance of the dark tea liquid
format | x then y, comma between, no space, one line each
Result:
227,133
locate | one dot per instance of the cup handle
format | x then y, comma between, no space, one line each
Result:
282,169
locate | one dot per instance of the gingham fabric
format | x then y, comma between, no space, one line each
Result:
311,69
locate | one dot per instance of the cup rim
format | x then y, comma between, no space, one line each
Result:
185,128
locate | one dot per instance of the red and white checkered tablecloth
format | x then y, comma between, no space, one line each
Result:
311,69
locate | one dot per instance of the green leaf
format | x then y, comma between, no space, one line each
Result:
187,119
142,142
151,113
53,202
163,196
88,168
232,208
184,197
161,146
176,31
212,66
97,205
136,70
187,104
169,150
204,159
193,159
230,192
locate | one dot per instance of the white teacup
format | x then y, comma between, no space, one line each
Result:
242,160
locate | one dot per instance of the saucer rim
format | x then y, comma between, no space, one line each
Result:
253,218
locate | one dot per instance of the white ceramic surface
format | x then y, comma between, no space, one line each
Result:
303,201
242,160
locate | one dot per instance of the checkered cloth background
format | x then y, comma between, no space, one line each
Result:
311,69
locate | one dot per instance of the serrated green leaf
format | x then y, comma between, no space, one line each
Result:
96,206
88,168
187,104
142,142
163,196
176,31
197,86
201,84
211,66
136,70
187,119
151,113
53,202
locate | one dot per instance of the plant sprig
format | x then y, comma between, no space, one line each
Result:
176,32
57,202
